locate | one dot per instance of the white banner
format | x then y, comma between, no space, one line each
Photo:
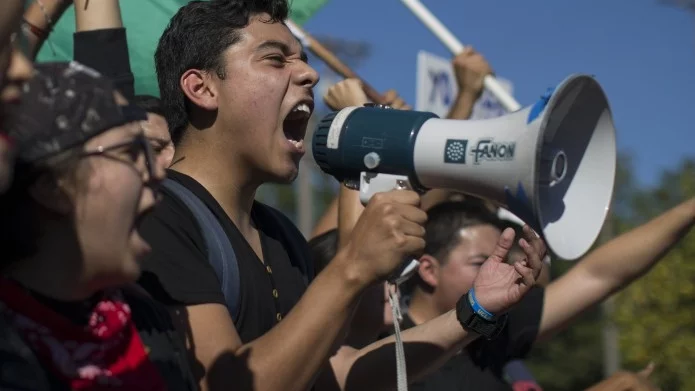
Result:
436,89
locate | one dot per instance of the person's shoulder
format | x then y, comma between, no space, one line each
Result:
170,213
177,271
271,218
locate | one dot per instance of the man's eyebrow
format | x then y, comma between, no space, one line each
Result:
283,47
158,140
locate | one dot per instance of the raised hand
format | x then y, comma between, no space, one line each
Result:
470,68
394,100
498,285
628,381
345,93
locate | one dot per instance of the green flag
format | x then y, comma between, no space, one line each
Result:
145,20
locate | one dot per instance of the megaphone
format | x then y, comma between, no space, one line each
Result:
552,164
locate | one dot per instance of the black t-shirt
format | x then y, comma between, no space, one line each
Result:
177,271
479,366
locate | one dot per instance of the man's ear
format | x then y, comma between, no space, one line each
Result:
199,88
429,270
51,194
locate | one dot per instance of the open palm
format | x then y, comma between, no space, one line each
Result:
499,285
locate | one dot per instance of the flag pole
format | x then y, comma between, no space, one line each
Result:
332,61
455,46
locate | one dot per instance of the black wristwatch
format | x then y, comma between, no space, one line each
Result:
471,321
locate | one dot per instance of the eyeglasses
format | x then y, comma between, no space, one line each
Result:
134,149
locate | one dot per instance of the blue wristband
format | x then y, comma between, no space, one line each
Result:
477,308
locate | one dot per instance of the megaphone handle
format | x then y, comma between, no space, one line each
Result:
397,278
455,46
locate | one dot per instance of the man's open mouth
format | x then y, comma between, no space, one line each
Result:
295,124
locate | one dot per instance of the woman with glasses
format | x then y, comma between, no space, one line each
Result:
85,177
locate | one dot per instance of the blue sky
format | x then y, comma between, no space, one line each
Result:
641,52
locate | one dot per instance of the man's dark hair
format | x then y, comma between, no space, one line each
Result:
323,249
196,38
149,103
445,220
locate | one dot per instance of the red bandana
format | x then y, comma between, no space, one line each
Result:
106,354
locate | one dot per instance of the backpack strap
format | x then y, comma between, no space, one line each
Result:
220,252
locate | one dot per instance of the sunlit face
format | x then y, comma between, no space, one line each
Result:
266,99
114,193
157,132
15,69
456,277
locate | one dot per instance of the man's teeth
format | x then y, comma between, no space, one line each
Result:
302,107
296,143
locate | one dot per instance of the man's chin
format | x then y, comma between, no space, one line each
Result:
283,177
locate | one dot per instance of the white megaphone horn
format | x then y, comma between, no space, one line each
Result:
551,164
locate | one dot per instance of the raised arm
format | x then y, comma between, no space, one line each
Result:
613,266
100,42
498,287
292,353
470,68
39,21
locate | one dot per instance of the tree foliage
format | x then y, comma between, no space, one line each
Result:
656,314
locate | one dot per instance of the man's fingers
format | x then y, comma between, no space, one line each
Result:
410,228
413,245
407,197
535,241
413,214
532,257
504,244
390,96
647,371
526,273
397,103
351,82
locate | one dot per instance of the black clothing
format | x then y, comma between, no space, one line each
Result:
177,271
479,366
20,369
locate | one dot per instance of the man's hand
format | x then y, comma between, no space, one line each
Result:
499,285
345,93
470,68
388,232
628,381
394,100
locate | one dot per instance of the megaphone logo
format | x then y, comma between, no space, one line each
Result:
552,164
455,151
